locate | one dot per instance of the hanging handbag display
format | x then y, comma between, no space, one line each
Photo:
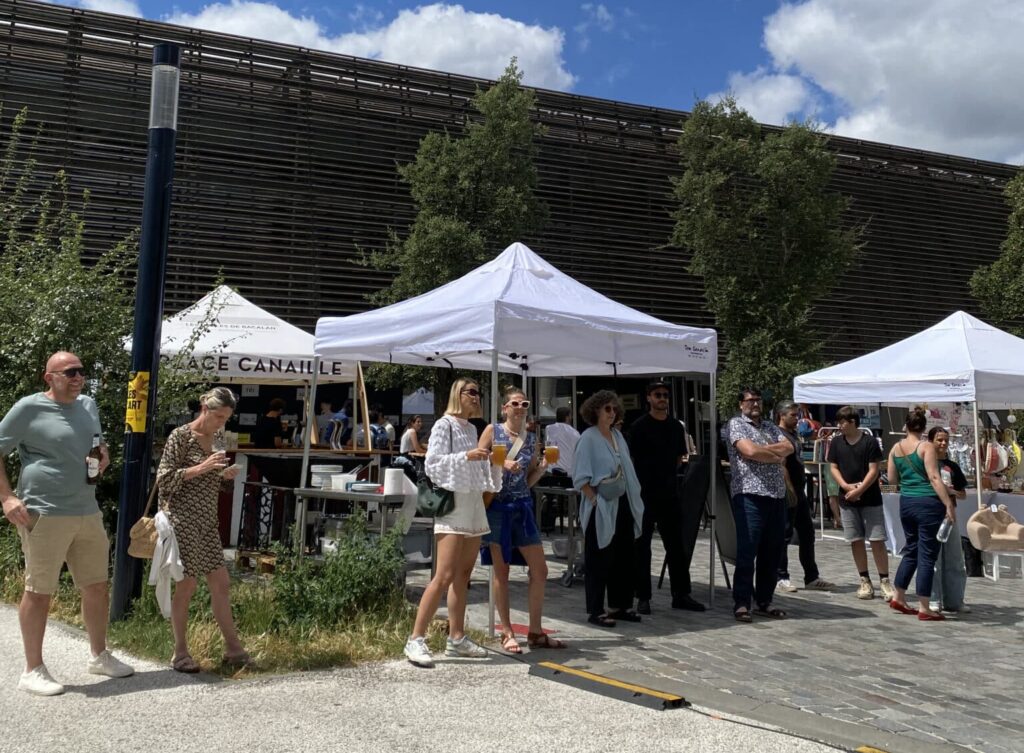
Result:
143,534
433,501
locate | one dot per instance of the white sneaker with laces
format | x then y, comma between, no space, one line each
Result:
39,682
888,592
105,664
820,584
866,590
417,653
466,648
786,586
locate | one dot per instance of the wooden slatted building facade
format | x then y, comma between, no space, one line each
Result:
286,166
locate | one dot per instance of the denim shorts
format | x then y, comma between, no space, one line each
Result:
520,524
863,523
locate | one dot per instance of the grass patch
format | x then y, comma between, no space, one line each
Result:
349,609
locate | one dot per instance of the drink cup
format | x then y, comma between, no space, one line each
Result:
498,454
551,454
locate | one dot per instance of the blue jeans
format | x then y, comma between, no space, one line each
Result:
760,525
950,574
921,518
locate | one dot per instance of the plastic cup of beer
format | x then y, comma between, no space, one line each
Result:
551,454
498,454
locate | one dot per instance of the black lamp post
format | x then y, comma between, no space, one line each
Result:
149,306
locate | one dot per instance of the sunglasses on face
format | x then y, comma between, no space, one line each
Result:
753,400
71,373
472,392
518,403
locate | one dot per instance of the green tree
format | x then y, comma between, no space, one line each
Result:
999,286
474,195
767,237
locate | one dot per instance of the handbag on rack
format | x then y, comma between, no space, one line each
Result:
143,534
433,501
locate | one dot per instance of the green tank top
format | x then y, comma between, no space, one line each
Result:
913,479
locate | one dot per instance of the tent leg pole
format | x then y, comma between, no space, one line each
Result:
713,446
977,454
494,420
307,436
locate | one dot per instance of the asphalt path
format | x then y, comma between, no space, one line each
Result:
473,705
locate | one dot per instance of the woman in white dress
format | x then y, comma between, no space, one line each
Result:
455,463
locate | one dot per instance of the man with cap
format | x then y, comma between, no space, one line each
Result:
657,444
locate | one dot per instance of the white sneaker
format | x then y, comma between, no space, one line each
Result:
786,586
888,592
106,664
39,682
417,653
465,647
866,590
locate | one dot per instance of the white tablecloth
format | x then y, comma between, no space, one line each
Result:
895,540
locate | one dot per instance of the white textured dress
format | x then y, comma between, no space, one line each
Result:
446,465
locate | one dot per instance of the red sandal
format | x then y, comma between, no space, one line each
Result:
543,640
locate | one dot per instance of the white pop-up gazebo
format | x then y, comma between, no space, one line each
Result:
960,359
247,344
516,313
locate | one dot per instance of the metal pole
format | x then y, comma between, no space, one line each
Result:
978,460
494,420
149,306
713,452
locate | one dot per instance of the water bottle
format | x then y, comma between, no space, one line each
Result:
947,476
944,530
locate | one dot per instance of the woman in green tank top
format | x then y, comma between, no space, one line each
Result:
924,504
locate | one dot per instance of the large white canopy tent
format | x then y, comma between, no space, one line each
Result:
246,344
515,312
960,359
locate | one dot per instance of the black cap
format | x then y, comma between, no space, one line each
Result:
655,385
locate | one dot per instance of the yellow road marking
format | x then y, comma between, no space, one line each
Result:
609,681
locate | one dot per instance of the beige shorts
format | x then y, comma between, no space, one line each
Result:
51,540
468,518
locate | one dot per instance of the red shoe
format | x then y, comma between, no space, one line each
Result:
902,607
930,616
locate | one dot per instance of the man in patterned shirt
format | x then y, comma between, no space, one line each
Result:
757,451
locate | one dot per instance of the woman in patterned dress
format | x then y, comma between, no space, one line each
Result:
455,462
190,478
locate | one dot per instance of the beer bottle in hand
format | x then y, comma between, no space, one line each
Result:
92,461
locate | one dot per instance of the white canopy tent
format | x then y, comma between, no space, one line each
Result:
247,344
515,313
960,359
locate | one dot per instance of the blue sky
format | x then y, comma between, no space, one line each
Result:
941,75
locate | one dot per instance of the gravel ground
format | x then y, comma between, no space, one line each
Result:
480,705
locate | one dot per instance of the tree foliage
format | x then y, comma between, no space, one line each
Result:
474,195
999,286
767,238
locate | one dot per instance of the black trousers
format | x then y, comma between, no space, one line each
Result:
609,569
665,511
799,518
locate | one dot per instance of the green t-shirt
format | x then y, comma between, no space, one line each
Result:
53,440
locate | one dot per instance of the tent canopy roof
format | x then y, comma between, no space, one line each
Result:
532,313
960,359
246,344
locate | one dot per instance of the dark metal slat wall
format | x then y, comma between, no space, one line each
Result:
286,166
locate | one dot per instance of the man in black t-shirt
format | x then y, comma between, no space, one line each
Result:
657,444
853,460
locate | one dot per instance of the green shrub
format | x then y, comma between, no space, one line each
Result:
364,575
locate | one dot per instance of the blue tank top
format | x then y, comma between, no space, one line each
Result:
513,485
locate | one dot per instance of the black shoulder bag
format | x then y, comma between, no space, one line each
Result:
432,500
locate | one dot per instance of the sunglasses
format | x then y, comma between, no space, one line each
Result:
659,395
71,373
472,392
752,400
518,403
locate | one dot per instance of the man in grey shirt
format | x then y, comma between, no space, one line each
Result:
57,516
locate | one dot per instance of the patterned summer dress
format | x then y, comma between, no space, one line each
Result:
191,505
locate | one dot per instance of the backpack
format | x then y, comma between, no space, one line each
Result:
379,438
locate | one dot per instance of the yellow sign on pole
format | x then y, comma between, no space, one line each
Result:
138,399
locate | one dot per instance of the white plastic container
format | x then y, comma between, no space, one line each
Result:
340,481
320,475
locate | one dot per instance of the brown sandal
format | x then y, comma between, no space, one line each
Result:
185,664
543,640
509,644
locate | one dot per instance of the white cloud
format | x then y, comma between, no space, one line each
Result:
770,97
439,36
595,16
931,74
120,7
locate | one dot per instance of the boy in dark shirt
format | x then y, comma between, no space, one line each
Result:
853,458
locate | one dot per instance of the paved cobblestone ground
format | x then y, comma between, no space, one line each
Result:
959,681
